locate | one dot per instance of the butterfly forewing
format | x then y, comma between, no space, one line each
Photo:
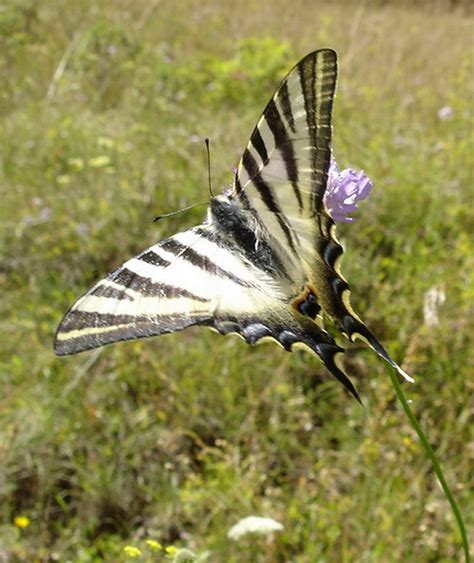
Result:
291,143
282,175
168,287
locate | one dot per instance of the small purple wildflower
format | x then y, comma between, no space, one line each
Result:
344,189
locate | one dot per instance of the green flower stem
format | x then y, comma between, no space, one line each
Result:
436,466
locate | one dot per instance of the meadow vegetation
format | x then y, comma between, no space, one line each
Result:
104,106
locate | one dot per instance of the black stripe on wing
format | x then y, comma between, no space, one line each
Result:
149,288
200,260
118,328
151,257
284,99
284,145
267,195
259,145
318,76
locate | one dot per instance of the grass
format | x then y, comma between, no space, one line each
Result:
104,107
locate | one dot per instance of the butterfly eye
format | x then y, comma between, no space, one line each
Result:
309,306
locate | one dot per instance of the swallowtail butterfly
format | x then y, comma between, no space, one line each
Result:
264,263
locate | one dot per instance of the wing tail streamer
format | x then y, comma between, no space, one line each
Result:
357,329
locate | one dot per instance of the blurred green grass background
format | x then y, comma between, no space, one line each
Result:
104,106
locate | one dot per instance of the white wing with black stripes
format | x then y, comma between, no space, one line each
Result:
182,281
264,263
290,147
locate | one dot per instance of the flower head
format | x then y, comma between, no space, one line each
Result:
433,299
344,189
132,552
21,522
154,545
445,113
254,525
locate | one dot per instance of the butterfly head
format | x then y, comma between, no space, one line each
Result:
223,212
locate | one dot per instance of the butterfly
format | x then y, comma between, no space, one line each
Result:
265,262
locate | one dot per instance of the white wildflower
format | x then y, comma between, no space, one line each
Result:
42,217
434,298
82,229
254,525
445,113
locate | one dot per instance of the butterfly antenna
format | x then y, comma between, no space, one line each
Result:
178,211
207,141
172,213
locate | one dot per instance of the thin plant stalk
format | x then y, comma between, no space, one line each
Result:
436,466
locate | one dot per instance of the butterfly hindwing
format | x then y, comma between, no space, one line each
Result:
291,330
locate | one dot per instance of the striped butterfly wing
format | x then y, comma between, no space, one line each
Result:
161,290
283,171
282,175
193,277
282,178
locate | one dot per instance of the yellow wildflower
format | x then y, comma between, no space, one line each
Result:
76,164
22,522
105,142
171,550
99,161
154,545
132,552
63,179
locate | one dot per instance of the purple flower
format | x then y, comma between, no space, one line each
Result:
344,189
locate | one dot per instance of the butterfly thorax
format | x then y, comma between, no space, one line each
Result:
241,228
